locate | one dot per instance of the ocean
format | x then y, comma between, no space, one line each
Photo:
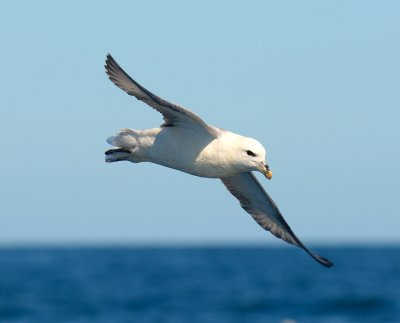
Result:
199,285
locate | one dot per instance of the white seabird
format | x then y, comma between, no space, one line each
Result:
186,143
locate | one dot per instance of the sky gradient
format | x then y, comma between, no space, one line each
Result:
316,82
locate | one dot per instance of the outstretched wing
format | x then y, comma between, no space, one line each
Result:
255,200
174,115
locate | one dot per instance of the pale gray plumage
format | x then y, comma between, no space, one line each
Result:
173,113
256,201
186,143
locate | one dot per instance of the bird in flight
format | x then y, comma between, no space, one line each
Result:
185,142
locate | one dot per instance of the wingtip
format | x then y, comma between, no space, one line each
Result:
323,261
320,259
111,67
108,56
109,59
326,262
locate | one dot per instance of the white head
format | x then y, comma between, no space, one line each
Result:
252,156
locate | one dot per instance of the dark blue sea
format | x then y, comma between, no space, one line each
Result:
199,285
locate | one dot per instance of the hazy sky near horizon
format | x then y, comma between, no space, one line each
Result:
317,82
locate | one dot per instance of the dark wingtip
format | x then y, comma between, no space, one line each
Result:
109,61
110,64
323,261
108,57
112,69
320,259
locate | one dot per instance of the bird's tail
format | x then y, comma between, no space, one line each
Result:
125,141
125,138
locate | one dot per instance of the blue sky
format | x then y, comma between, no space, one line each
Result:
316,82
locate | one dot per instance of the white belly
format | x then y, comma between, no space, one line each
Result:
186,151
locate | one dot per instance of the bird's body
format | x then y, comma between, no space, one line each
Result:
186,143
204,155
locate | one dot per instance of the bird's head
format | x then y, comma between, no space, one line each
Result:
253,155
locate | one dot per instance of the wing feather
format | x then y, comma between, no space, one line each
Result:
256,201
173,114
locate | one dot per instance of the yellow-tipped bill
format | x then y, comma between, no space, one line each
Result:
268,174
264,168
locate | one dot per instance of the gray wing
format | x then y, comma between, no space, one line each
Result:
256,201
174,115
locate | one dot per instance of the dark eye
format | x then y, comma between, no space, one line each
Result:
250,153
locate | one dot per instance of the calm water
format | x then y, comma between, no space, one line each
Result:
189,285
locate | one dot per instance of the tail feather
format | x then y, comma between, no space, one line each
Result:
118,154
125,138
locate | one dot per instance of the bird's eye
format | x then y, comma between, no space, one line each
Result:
250,153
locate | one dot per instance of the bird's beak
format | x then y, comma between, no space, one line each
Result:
264,168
